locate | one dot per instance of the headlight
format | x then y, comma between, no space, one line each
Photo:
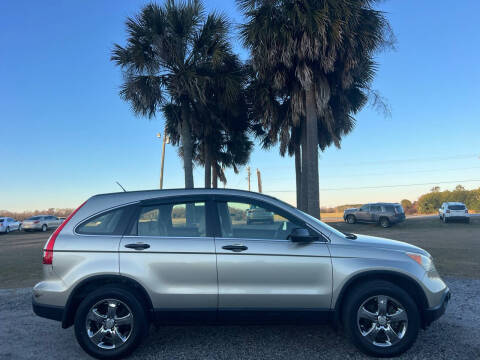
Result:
424,261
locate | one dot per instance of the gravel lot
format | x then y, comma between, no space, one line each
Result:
455,336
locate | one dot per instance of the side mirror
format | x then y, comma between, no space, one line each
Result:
301,235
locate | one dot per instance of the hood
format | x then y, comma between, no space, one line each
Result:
350,209
382,243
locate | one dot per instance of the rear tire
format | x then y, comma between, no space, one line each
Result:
7,230
467,221
44,228
384,222
351,219
392,338
444,219
133,334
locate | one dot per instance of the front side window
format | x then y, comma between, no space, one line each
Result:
248,221
172,220
364,208
103,224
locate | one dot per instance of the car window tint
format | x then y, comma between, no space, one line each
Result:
248,221
375,208
173,220
364,208
103,224
456,207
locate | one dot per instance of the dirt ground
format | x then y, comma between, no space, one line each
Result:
454,246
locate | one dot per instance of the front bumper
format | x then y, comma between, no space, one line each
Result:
48,311
432,314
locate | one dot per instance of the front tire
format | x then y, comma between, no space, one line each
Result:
110,323
44,228
351,219
381,319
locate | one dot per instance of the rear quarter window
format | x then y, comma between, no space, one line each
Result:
111,222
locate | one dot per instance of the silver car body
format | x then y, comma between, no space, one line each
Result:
182,274
37,222
8,224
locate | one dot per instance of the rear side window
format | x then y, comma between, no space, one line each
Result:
104,224
456,207
389,209
375,208
398,209
171,220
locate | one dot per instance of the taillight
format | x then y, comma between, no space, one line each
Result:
448,211
48,251
466,211
36,221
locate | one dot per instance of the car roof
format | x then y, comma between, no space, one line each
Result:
382,203
152,194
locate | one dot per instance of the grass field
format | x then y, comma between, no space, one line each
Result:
454,246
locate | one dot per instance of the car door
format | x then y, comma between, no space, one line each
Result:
171,252
363,213
261,271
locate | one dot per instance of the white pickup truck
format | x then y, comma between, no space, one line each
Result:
453,211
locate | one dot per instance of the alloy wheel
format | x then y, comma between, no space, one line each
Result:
382,321
109,323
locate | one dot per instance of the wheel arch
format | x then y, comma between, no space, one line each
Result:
405,282
94,282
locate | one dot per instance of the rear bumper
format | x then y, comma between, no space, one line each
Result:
48,311
432,314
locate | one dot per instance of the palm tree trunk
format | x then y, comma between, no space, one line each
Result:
187,145
214,176
304,171
298,175
312,149
208,165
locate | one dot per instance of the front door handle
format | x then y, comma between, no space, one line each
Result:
235,248
137,246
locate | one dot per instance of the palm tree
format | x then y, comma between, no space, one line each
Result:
167,64
309,59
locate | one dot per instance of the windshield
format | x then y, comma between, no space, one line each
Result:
326,227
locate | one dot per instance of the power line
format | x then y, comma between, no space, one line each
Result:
384,186
407,172
396,161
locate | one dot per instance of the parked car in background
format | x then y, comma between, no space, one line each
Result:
124,260
259,215
62,219
385,214
453,211
8,224
41,223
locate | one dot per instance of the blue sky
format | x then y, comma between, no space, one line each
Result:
66,134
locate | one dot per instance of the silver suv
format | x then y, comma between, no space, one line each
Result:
124,260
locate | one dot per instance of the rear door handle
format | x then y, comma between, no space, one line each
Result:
137,246
235,248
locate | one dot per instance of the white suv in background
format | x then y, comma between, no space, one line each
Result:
453,211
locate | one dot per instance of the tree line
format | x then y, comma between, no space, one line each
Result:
309,71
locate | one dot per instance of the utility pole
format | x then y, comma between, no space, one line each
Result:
165,141
259,179
248,177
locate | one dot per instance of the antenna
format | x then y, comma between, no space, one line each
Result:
121,186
